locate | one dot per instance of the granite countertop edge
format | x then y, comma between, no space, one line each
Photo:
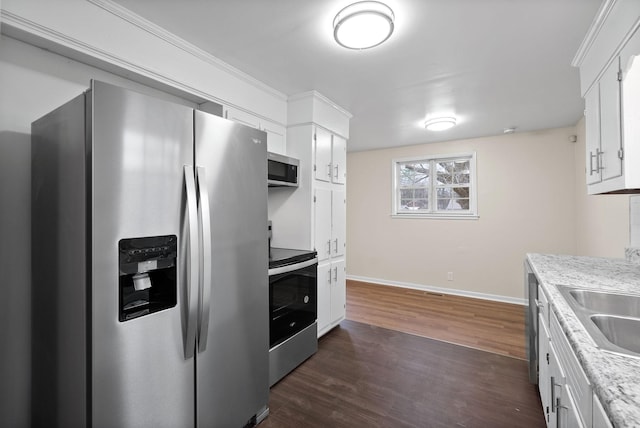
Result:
615,378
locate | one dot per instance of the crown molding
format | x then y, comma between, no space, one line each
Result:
592,34
44,37
159,32
32,32
318,95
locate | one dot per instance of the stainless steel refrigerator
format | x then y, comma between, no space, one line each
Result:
149,265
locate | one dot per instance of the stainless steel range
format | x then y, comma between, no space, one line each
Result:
293,309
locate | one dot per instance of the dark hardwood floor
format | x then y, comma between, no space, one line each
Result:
370,376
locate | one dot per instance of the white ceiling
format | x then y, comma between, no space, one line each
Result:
493,63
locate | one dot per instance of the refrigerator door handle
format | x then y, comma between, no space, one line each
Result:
192,263
204,216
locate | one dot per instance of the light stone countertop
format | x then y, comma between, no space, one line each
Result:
614,378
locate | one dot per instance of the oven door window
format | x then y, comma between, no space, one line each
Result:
292,303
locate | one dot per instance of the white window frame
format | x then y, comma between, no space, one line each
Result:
471,213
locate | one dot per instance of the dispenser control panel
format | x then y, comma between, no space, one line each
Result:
148,277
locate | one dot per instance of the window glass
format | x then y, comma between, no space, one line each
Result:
435,186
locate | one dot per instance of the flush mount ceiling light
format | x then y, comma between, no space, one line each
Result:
440,123
363,25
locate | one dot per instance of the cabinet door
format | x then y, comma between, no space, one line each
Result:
544,372
338,291
324,296
567,411
242,117
556,384
600,418
339,160
276,137
323,155
610,124
338,222
323,223
592,125
630,88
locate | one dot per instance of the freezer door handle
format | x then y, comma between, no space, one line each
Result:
192,263
204,216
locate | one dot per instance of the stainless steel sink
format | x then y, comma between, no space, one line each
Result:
611,319
621,331
625,305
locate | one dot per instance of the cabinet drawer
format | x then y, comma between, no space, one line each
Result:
543,306
576,378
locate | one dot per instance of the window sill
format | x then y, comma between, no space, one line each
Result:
438,216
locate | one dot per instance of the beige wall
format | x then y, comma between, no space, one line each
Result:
528,201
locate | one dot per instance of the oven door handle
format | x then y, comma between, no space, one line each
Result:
291,268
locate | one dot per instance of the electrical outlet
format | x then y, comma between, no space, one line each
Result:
449,276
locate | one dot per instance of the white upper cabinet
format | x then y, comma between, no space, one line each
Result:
592,125
241,116
276,134
323,154
330,157
610,79
611,152
339,159
603,121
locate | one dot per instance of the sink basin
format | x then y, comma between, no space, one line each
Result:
623,332
625,305
611,319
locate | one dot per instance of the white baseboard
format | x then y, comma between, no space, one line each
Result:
432,289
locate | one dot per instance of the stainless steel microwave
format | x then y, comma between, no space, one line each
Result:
282,170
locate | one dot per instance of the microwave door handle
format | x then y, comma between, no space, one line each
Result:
204,220
192,262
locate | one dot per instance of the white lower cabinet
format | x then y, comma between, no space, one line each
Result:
600,419
564,412
331,295
544,370
565,391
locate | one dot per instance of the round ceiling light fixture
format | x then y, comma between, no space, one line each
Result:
440,123
363,25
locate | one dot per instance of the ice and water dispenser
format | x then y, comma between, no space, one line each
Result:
148,276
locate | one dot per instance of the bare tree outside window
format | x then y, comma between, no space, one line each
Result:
435,186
